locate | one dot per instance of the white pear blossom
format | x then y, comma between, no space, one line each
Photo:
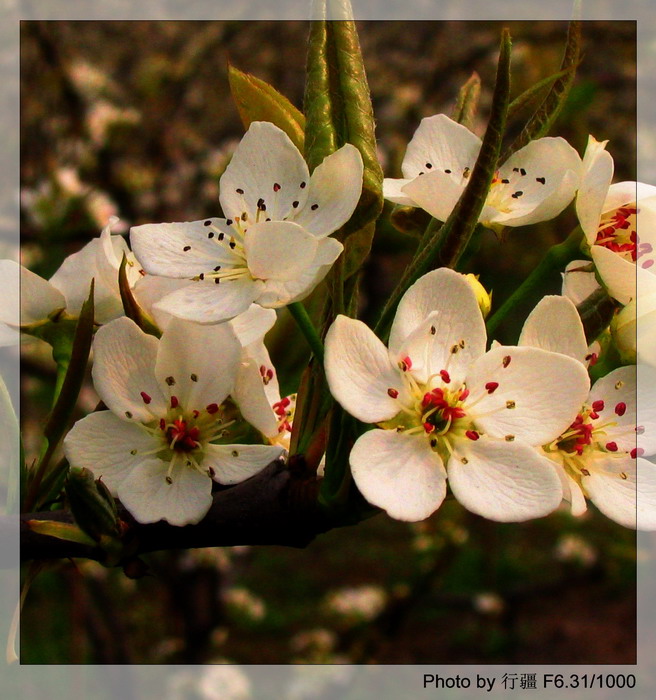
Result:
256,387
619,222
535,184
273,246
443,406
601,454
160,444
69,287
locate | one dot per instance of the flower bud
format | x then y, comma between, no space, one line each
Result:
484,299
92,505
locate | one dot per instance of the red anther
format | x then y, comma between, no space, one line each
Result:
195,413
276,187
592,359
269,374
620,408
594,415
212,408
162,424
392,393
174,402
491,387
598,405
506,361
262,370
611,446
429,427
472,435
445,376
405,364
463,394
637,452
145,397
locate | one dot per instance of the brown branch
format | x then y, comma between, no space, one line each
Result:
277,506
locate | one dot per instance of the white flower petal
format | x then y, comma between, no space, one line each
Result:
335,188
579,280
123,371
105,444
393,191
440,144
507,482
235,463
399,473
182,249
598,169
208,302
277,293
539,393
626,192
279,250
613,487
450,294
622,395
360,373
617,274
253,324
150,289
435,192
26,297
547,174
555,325
73,280
265,166
572,493
252,395
197,364
146,493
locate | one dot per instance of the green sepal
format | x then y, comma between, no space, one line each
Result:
466,105
256,100
442,246
61,531
92,505
75,363
131,306
409,220
546,114
338,110
596,312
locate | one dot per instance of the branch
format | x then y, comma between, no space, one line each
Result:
277,506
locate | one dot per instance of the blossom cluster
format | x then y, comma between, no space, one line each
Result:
512,431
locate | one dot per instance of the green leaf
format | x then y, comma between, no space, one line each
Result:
532,93
131,306
256,100
338,110
57,423
442,246
545,116
62,531
467,103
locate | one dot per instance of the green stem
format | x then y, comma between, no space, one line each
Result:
532,287
304,322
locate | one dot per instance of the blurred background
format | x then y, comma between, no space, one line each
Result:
135,119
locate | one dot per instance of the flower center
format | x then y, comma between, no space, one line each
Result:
617,232
181,436
586,437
